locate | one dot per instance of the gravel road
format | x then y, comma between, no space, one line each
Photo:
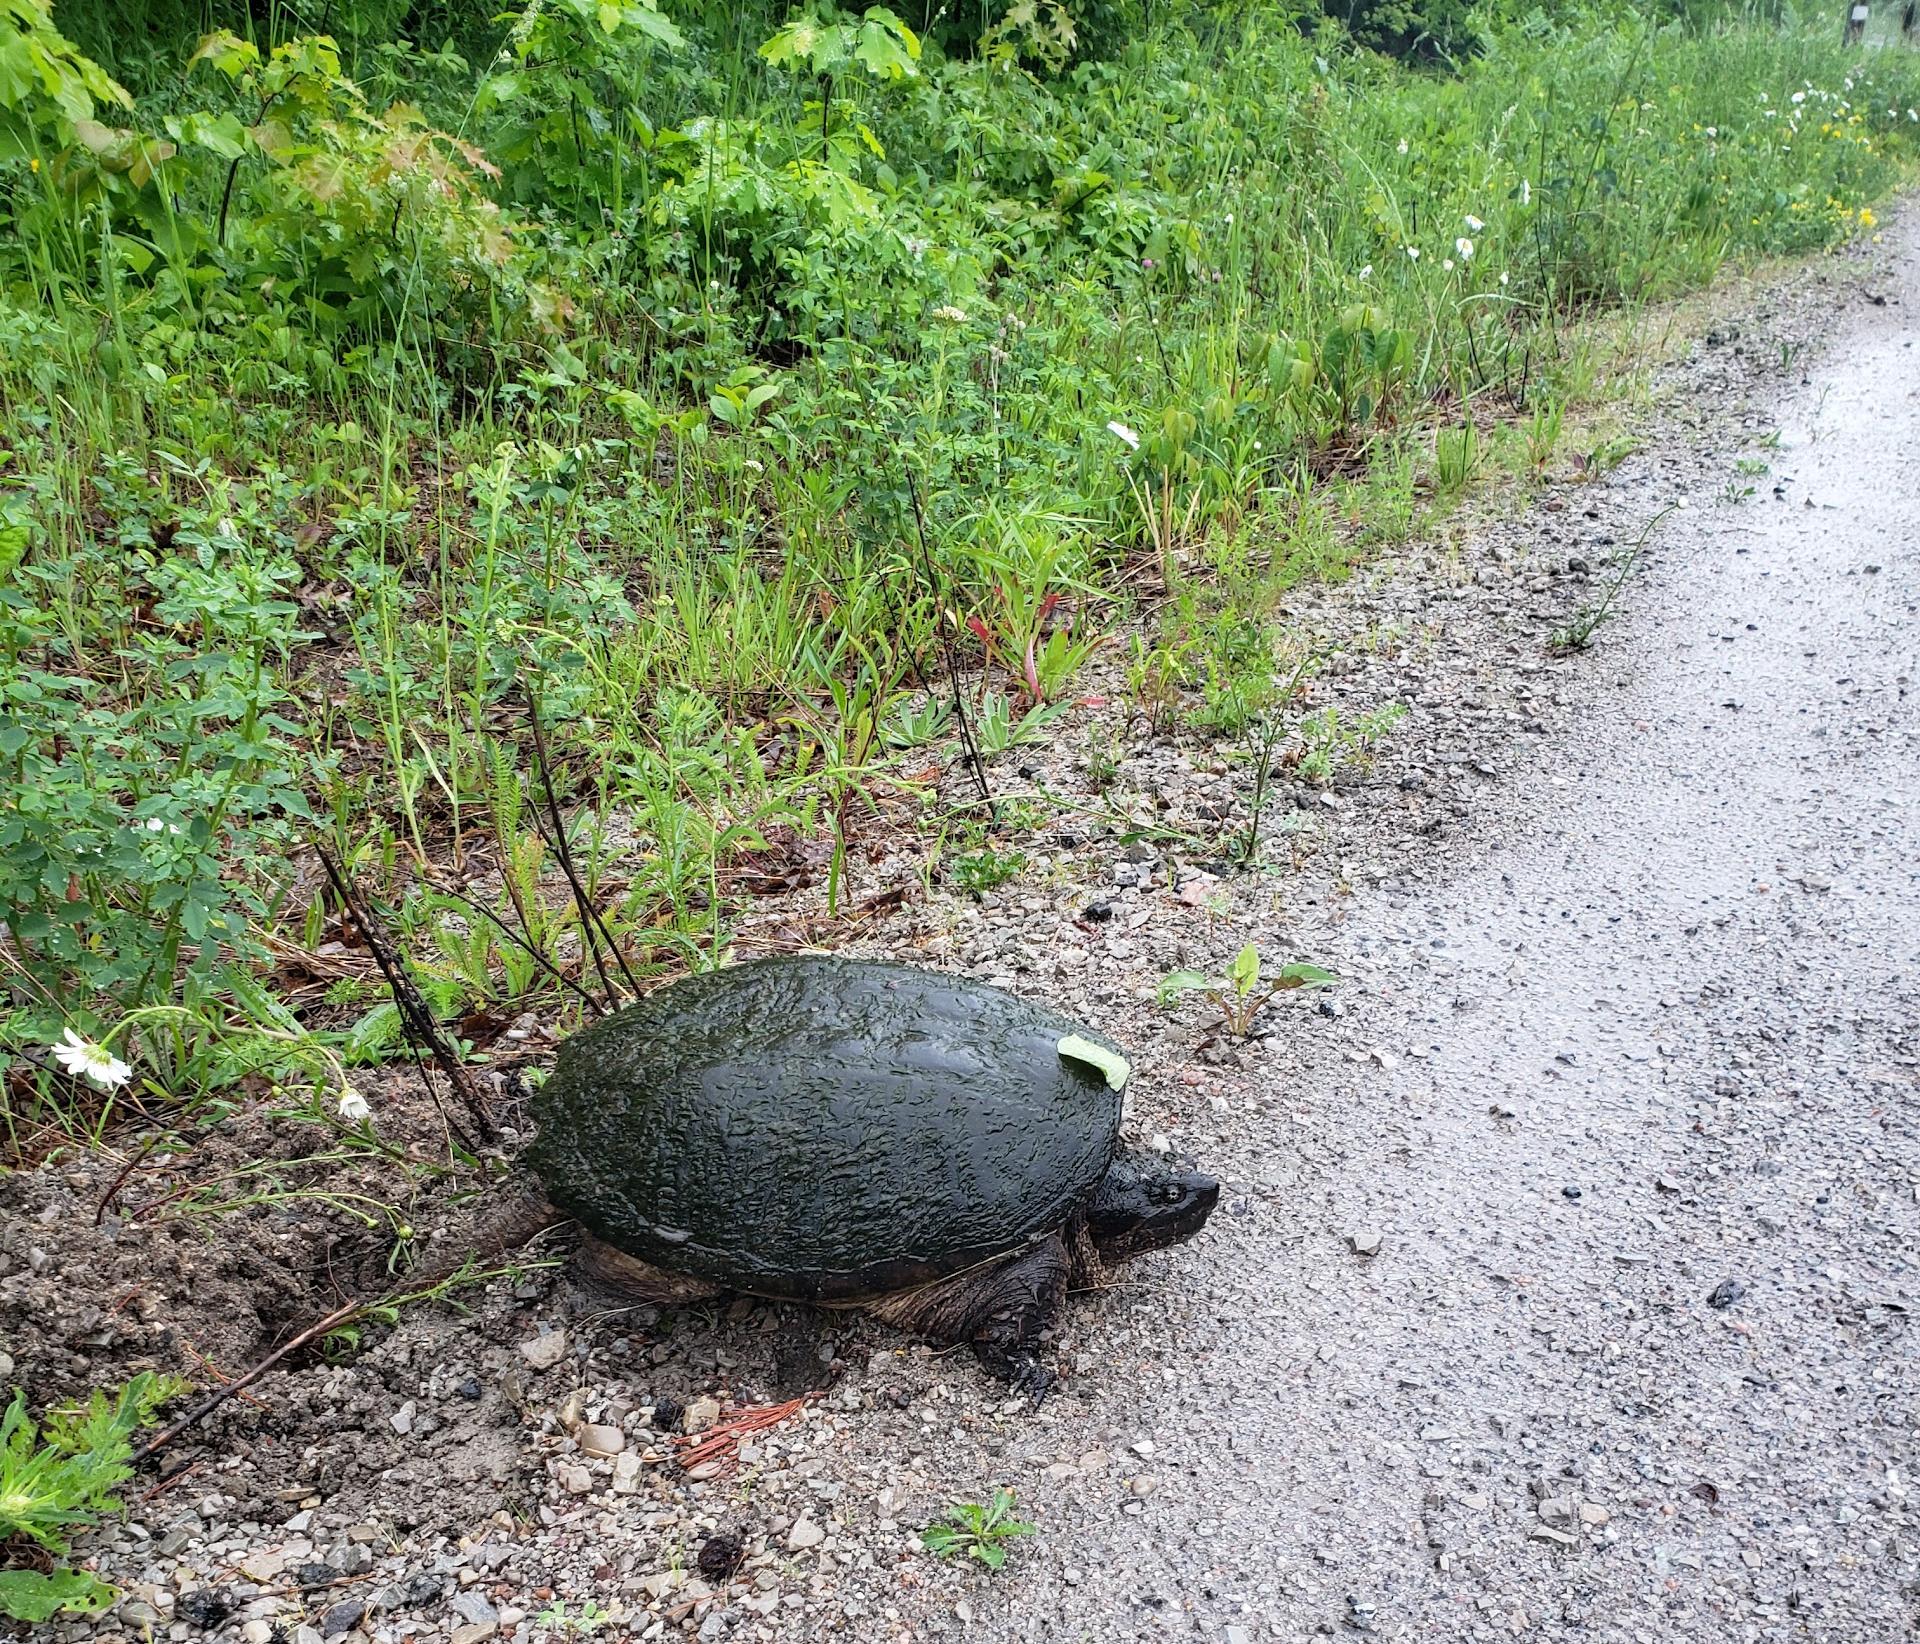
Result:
1639,1151
1565,1280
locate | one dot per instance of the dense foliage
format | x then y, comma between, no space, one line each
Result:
708,375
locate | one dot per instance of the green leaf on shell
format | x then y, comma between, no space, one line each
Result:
1110,1062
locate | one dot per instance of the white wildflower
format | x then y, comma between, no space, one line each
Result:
1465,247
1447,264
1367,272
1403,145
82,1058
1473,223
1413,253
952,315
1125,435
354,1107
1799,96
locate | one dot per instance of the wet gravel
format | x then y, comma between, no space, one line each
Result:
1564,1282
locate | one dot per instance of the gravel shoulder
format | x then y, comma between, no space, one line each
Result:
1565,1279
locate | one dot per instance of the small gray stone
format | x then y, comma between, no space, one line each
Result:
1365,1241
472,1605
804,1534
473,1634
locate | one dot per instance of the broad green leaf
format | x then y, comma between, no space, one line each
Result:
27,1595
1302,975
1244,973
1183,981
1109,1062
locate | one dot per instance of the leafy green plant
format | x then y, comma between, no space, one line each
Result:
986,869
591,1618
1243,993
997,729
1329,742
55,1480
976,1531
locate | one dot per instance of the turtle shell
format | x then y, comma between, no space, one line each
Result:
825,1129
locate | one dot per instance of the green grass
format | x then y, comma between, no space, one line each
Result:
745,439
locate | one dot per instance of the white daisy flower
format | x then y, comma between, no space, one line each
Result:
84,1059
354,1107
1125,435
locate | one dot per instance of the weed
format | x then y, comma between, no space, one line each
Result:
1328,743
54,1480
982,1532
591,1618
1577,633
986,869
1242,993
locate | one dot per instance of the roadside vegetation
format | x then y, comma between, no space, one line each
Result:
770,410
583,469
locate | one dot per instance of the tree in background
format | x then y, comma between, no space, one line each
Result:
1422,29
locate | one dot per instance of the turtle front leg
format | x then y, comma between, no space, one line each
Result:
1001,1309
1018,1300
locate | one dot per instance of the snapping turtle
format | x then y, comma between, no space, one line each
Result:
937,1152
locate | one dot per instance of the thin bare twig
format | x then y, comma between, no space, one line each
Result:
415,1018
590,920
219,1396
974,761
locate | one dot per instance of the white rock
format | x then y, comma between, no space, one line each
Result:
602,1441
573,1478
545,1351
804,1534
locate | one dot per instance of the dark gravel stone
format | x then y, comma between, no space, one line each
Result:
342,1617
203,1608
720,1556
667,1414
1726,1293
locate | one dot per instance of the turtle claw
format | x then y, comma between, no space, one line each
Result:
1028,1375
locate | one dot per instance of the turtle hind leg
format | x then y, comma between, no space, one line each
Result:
634,1280
1001,1310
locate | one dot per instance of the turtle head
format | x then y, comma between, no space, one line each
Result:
1147,1203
